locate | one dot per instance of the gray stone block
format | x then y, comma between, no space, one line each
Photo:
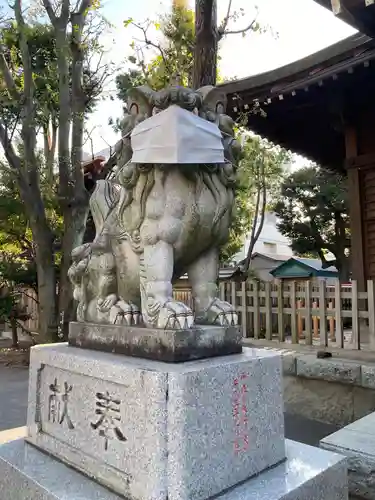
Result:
319,400
308,474
151,430
331,370
357,442
368,376
161,345
289,363
28,474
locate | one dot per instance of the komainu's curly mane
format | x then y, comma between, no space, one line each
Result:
208,103
141,177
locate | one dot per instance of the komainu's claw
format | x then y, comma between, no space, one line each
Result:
125,313
175,315
220,313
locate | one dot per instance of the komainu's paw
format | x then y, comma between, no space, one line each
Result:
105,305
175,315
125,313
221,313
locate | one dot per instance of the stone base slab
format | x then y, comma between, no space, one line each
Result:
357,442
152,430
171,346
308,474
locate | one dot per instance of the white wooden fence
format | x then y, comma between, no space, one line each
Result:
310,312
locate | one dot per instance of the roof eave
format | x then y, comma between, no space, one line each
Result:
270,78
359,16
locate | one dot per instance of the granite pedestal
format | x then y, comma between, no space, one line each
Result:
307,474
152,430
148,430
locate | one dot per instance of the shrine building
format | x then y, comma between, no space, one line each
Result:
323,107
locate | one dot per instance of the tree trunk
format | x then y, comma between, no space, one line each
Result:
30,192
50,141
13,326
343,262
47,296
74,230
63,55
75,213
343,265
206,43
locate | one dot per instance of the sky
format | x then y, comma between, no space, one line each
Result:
298,28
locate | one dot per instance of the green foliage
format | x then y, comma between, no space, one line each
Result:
43,55
263,164
174,55
125,81
260,171
178,45
19,271
313,213
17,252
15,235
239,228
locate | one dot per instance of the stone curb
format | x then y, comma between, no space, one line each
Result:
330,369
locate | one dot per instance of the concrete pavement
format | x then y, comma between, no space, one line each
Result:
13,396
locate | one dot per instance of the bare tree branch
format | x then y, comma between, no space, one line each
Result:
25,330
150,43
243,30
51,14
32,297
262,215
9,151
222,31
253,231
65,12
258,219
224,24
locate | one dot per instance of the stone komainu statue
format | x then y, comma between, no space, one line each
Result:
157,221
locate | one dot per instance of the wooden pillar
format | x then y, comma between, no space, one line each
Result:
355,210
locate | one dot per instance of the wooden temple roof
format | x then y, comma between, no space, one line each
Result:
305,106
358,13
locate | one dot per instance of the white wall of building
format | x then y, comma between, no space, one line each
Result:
270,241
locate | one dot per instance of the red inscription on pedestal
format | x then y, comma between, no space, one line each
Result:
240,413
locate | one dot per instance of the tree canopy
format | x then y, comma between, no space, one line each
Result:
179,51
49,82
172,56
313,213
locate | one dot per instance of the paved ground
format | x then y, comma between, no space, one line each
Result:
13,405
13,397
